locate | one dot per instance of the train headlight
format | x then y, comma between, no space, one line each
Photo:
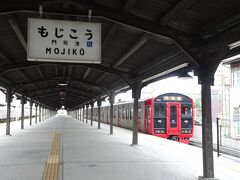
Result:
158,131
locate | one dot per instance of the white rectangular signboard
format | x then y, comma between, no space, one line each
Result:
63,41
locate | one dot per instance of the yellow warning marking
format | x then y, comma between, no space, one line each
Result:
52,165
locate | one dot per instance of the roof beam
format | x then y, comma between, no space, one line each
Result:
88,83
17,30
23,75
139,43
56,70
49,95
70,70
56,96
158,61
41,74
114,16
106,42
87,72
68,89
18,66
182,4
6,80
123,76
109,36
142,24
130,20
164,69
51,100
220,24
5,58
100,78
109,70
129,4
96,85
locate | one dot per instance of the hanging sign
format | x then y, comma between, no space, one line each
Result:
63,41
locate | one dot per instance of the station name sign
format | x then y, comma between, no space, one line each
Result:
63,41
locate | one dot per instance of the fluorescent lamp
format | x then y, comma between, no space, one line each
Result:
126,87
234,45
166,72
62,84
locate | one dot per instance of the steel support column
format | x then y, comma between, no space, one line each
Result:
206,80
136,93
99,103
80,114
43,115
40,115
83,113
92,104
31,105
36,105
87,105
111,101
8,99
23,101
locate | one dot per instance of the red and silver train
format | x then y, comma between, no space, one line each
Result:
168,115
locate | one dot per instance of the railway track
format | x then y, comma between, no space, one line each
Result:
223,149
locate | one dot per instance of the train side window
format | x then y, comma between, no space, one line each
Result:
115,113
131,114
123,114
119,113
159,110
139,113
127,114
149,112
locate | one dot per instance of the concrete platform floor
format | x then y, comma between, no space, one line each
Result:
91,154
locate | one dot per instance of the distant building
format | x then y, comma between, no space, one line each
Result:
234,95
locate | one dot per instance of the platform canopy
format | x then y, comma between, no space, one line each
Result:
141,41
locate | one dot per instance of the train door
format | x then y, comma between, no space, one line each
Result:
173,118
148,113
119,116
139,118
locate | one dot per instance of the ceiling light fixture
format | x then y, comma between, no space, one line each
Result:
62,84
166,72
234,45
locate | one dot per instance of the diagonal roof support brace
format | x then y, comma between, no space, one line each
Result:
138,44
17,30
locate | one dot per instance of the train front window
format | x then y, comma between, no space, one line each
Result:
186,110
186,116
159,110
159,118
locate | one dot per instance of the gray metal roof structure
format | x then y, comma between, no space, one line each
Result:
141,41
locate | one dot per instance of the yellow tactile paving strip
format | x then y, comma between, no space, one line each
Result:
52,165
